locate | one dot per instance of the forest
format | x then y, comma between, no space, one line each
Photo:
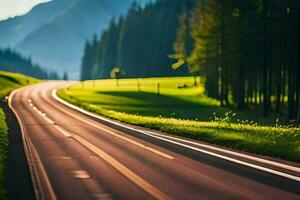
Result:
138,43
246,51
14,62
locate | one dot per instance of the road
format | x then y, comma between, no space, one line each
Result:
75,156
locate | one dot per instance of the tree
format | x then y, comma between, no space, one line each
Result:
183,44
116,74
89,59
138,42
247,53
65,76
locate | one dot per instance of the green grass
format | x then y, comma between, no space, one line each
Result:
3,149
11,81
182,109
8,82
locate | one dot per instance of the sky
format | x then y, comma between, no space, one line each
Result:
12,8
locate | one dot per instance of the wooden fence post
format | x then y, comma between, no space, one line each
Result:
158,88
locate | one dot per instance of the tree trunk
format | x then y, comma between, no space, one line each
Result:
255,89
241,73
265,66
298,67
222,64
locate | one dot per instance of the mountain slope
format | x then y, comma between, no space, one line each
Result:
54,33
14,30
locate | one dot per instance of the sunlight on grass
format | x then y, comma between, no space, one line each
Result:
177,97
10,81
182,109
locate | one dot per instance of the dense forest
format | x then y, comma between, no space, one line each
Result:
247,51
13,62
138,44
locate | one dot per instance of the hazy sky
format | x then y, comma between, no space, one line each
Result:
11,8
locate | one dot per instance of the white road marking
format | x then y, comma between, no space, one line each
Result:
43,115
124,138
122,169
81,174
95,125
62,157
114,163
63,131
29,156
103,196
258,167
280,165
265,169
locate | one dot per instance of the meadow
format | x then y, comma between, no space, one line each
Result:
8,82
177,106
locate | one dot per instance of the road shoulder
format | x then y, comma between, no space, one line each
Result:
17,176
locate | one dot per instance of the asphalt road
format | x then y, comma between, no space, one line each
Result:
72,156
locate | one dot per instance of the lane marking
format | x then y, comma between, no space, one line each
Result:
280,165
42,114
81,174
114,163
122,169
28,147
165,155
103,196
42,170
63,131
265,169
124,138
63,157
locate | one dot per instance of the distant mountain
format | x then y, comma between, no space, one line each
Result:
54,33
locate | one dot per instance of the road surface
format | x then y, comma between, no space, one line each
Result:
75,156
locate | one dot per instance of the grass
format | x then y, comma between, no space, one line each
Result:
3,150
182,109
8,82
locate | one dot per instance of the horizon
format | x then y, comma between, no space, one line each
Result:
14,8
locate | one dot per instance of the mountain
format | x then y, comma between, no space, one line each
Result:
54,33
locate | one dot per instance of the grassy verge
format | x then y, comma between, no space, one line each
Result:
3,148
11,81
8,82
182,109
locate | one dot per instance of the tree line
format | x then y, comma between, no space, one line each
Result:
137,43
247,50
14,62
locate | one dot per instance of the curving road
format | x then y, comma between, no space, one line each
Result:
73,155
